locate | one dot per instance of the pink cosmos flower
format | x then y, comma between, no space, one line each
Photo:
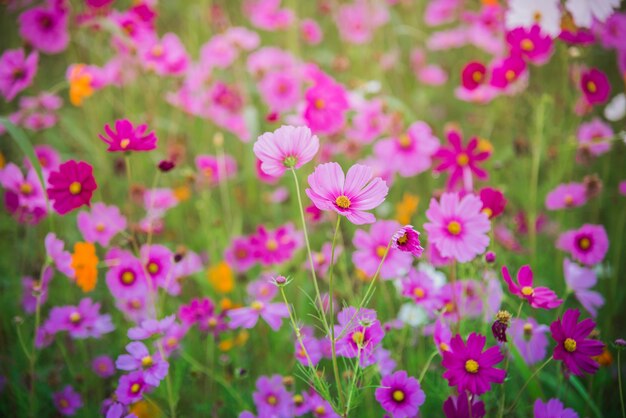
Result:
573,347
125,137
101,223
27,188
326,105
45,28
530,44
154,367
595,136
62,259
439,12
469,368
131,387
530,339
409,153
281,90
47,156
67,401
267,14
552,408
458,227
149,328
166,56
271,398
473,75
595,86
17,71
239,254
226,108
103,366
567,195
71,186
421,288
400,395
588,244
288,147
126,277
275,246
580,280
311,31
493,200
82,321
321,260
349,195
247,317
213,171
370,248
361,332
461,163
538,297
507,71
357,21
407,239
369,121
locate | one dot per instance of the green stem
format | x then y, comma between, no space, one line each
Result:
519,394
534,175
426,366
619,381
332,313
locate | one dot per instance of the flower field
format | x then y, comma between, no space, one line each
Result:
324,208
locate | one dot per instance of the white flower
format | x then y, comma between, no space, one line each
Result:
526,13
583,11
412,315
616,109
438,278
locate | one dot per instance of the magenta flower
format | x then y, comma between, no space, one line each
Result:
573,347
67,401
103,366
288,147
281,90
370,248
461,163
473,75
131,387
17,72
45,28
595,136
154,367
71,186
551,409
469,368
400,395
460,407
407,239
538,297
319,407
530,339
567,195
247,317
595,86
507,71
275,246
62,260
530,44
349,196
271,398
101,223
311,31
166,56
35,287
126,277
158,260
326,105
27,188
588,244
239,254
313,350
458,227
421,288
580,280
409,153
361,333
213,170
442,336
82,321
126,137
493,200
47,156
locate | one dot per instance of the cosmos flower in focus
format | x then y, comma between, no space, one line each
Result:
71,186
126,137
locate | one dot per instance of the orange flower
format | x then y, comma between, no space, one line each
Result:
406,208
182,193
85,265
221,277
80,84
144,409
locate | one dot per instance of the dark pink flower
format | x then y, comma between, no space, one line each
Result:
473,75
493,202
407,239
326,105
567,195
530,44
400,395
595,86
508,70
588,244
538,297
125,137
461,407
17,71
71,186
461,162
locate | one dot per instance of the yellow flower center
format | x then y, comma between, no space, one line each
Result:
454,228
320,410
343,202
153,267
157,51
403,239
569,200
212,322
449,307
509,75
380,251
477,76
320,104
75,188
527,45
171,341
100,227
537,16
398,395
527,291
26,188
208,172
272,400
462,159
584,243
124,143
591,87
146,361
256,305
488,212
419,292
570,344
75,317
358,338
444,347
128,277
63,403
404,140
471,366
271,244
298,399
136,387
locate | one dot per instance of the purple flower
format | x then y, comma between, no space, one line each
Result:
538,297
568,195
62,259
151,327
27,188
469,368
319,407
272,313
459,407
588,244
131,388
573,348
103,366
82,321
33,287
271,398
17,72
154,367
239,255
407,239
553,408
45,28
101,223
360,334
370,248
126,276
67,401
400,395
580,280
530,339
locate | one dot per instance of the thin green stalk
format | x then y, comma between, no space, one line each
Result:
427,365
619,381
168,386
355,373
332,314
506,367
519,394
534,174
